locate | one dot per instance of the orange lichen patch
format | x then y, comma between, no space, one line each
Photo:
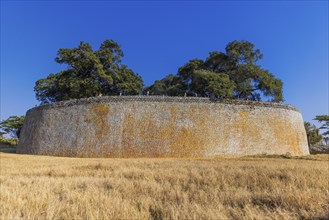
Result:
100,120
243,115
98,129
247,129
244,127
129,126
285,134
192,138
189,143
141,136
133,127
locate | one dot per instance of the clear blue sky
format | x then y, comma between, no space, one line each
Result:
158,37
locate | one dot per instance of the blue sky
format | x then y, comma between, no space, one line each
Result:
158,37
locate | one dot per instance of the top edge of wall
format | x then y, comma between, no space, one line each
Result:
107,99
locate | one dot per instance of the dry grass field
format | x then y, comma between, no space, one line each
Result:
41,187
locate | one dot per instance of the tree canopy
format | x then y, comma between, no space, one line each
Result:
230,74
233,74
12,126
312,133
325,120
89,73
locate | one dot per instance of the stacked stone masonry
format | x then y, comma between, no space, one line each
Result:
156,126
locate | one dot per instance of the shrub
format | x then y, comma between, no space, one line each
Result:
8,141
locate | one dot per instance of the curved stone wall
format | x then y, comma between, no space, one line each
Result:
151,126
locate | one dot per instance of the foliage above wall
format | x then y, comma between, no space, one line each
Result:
89,73
233,74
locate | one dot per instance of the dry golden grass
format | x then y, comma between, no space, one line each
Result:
41,187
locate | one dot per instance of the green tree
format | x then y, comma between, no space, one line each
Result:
171,85
89,73
211,84
325,120
12,126
312,133
237,68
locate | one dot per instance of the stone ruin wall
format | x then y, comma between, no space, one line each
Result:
148,126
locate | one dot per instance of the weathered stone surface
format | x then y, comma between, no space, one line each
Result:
149,126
